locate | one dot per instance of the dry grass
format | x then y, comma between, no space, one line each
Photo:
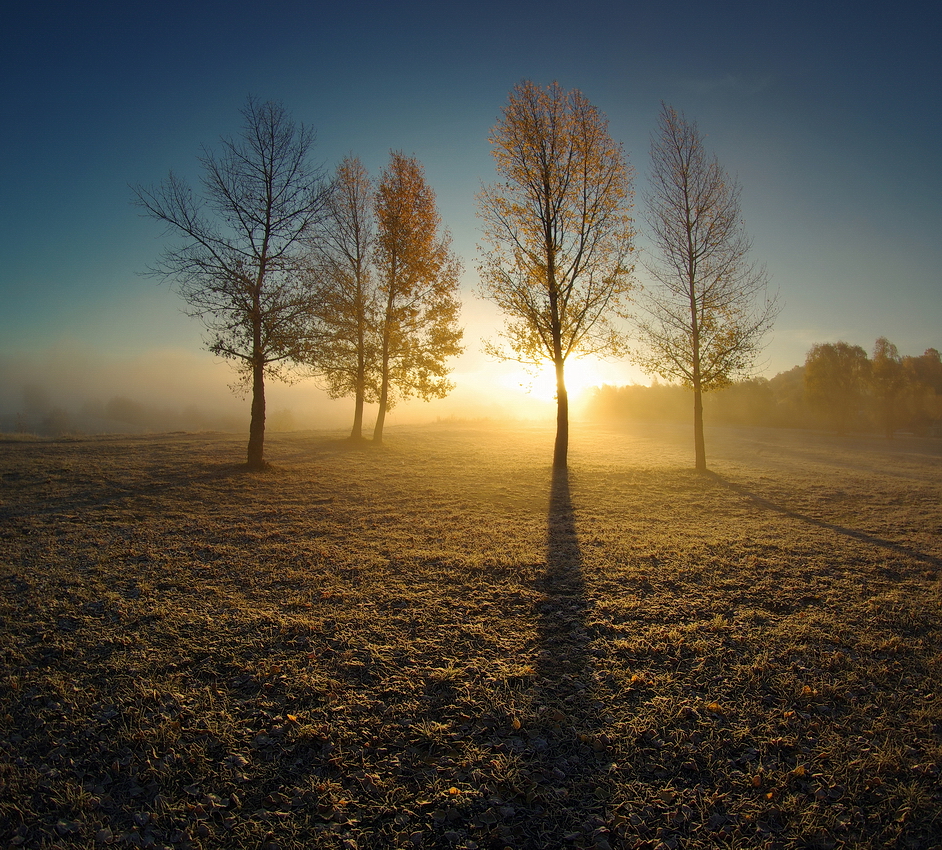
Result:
437,644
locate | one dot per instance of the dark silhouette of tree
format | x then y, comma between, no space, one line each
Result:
703,321
348,307
241,259
558,234
836,379
888,381
418,277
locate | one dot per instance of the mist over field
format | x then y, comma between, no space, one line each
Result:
69,390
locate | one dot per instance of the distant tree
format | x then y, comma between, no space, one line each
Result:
418,278
836,379
747,402
241,260
924,377
888,381
788,390
558,234
347,293
704,319
926,369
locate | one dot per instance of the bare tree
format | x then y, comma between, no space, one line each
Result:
704,319
348,297
418,281
558,233
240,261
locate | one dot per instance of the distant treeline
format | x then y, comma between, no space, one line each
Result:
119,415
839,387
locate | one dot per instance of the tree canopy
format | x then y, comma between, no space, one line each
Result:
836,379
418,278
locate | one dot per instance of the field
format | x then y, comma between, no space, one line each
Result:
438,643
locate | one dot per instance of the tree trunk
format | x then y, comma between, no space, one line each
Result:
380,420
698,442
383,400
384,364
698,445
357,432
561,449
360,390
256,458
359,393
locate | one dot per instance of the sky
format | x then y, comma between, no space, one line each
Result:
829,115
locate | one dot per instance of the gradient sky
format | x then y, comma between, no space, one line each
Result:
830,118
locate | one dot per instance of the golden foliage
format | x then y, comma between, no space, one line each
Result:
418,276
557,228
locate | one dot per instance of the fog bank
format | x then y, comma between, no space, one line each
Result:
72,389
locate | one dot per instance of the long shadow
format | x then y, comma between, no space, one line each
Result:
90,494
564,754
862,536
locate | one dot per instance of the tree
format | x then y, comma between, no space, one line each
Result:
558,234
926,369
703,320
347,295
836,377
924,376
240,262
888,380
418,278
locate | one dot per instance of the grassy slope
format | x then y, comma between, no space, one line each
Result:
436,644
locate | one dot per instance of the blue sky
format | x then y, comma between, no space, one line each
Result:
830,118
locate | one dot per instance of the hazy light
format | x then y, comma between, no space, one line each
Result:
580,374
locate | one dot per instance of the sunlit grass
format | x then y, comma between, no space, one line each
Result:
366,647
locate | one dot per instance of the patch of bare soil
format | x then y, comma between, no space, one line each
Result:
437,643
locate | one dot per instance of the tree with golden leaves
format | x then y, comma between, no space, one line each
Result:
704,319
558,235
346,355
418,279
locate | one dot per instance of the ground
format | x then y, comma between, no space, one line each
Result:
438,643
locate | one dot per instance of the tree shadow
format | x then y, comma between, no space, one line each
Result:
565,754
861,536
91,492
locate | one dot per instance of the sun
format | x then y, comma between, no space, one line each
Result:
581,375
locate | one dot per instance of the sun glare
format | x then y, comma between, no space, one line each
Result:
581,375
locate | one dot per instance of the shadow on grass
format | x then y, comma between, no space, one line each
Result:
861,536
564,755
89,491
